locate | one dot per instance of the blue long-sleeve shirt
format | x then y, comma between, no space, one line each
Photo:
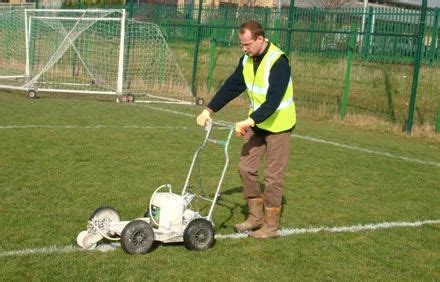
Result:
279,78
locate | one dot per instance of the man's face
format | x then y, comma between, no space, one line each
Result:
251,46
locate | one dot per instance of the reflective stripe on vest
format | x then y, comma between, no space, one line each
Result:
257,85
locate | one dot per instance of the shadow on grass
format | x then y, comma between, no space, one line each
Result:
388,91
231,205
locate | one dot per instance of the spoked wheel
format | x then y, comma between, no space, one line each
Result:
121,99
130,98
103,215
137,237
200,101
32,93
198,235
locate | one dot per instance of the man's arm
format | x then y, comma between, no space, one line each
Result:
232,87
279,78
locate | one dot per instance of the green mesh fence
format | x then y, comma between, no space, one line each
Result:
317,43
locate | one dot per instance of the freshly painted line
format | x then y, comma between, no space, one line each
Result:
355,228
318,140
283,232
45,250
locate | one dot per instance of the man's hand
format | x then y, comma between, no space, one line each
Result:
203,117
242,126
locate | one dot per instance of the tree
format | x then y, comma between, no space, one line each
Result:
331,3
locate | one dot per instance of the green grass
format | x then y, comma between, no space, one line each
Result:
51,179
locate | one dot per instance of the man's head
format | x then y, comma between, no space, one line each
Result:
252,38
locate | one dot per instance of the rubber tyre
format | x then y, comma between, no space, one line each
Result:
123,98
200,101
137,237
198,235
32,94
105,212
130,98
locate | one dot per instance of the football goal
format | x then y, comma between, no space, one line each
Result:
90,51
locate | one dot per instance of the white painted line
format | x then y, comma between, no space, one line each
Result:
93,127
225,123
363,150
283,232
44,250
318,140
354,228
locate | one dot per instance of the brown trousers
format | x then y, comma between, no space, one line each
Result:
275,147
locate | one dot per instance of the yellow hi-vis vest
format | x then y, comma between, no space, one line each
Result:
257,84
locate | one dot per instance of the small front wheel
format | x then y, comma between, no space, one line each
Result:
198,235
137,237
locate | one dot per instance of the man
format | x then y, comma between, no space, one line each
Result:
264,72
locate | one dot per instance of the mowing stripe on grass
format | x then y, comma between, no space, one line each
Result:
283,232
318,140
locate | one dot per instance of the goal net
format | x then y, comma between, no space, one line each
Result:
94,51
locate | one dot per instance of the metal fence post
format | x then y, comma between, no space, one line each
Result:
130,9
434,36
437,125
418,58
196,48
290,26
312,32
367,32
351,46
211,62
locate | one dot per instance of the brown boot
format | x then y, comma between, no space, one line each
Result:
270,226
255,216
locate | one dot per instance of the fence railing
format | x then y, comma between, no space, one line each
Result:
381,43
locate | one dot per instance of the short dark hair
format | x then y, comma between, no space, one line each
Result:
254,27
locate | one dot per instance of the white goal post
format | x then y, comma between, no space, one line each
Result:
91,51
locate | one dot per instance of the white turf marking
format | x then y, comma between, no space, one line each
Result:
221,122
317,140
354,228
93,127
283,232
363,150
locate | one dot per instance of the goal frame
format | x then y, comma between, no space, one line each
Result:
30,81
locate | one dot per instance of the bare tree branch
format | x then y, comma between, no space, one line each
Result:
331,3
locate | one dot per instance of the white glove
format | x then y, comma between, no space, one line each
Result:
203,117
242,126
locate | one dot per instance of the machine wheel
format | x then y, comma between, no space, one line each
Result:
102,215
106,212
200,101
82,242
137,237
32,93
121,99
130,98
198,235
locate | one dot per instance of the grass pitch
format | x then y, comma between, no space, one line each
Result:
63,156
